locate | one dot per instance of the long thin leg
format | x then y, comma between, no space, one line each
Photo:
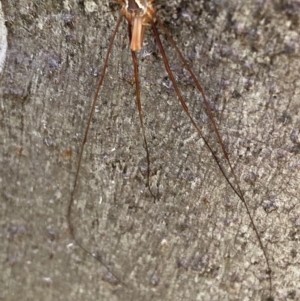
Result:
71,202
139,106
235,187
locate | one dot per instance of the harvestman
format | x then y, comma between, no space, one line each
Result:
141,14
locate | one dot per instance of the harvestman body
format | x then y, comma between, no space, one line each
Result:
141,14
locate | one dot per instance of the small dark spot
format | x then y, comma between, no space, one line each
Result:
295,149
294,253
236,94
181,227
270,205
95,223
67,153
53,63
70,37
68,19
251,178
205,200
256,152
81,5
291,294
285,118
51,235
16,94
294,235
268,271
183,263
114,6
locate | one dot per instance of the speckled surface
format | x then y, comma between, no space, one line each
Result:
195,241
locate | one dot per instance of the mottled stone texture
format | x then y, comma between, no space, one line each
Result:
194,241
